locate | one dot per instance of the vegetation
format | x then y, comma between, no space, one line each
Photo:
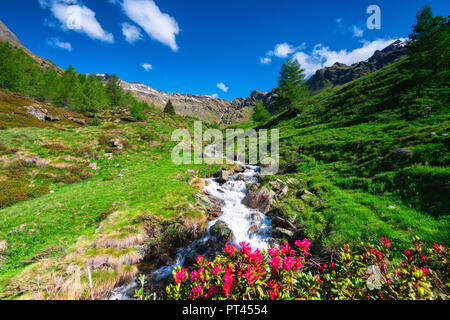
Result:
374,154
169,109
291,90
363,273
260,113
72,91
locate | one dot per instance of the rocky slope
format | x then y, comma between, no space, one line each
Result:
326,78
7,35
339,73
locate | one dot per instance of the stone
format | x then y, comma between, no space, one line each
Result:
3,246
222,175
115,143
238,168
282,233
221,232
260,200
93,166
268,162
254,228
283,223
209,203
81,121
282,192
255,217
240,177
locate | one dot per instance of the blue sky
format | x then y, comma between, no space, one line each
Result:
222,47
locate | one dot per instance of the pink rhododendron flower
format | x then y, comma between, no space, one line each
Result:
180,276
275,262
303,245
288,263
385,242
273,252
425,271
229,249
245,248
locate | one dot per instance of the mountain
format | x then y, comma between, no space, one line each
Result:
339,73
9,36
204,107
326,78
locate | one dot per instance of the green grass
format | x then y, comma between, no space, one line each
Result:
49,225
376,142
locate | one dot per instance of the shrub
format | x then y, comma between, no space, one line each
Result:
366,272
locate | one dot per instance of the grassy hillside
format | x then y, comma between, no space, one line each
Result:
58,209
374,153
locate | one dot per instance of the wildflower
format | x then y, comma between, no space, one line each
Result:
273,252
199,260
228,281
332,265
286,249
245,248
180,275
425,271
437,247
229,249
303,245
255,257
288,263
378,253
275,262
385,242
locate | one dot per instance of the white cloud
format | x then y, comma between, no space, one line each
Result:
265,60
74,16
283,50
324,57
55,42
147,66
131,33
222,87
215,95
159,26
357,32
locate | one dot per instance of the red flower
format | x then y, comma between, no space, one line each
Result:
288,263
180,276
273,252
385,242
229,249
303,245
332,265
275,262
245,248
425,271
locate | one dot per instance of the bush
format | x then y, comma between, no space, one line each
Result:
367,272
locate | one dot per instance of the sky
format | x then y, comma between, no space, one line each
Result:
224,48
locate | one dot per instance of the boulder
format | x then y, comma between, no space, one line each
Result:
260,200
238,168
282,192
221,232
80,121
222,175
268,162
255,227
115,143
209,203
209,250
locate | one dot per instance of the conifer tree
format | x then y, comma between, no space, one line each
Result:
169,109
291,88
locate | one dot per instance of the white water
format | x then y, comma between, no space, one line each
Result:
238,217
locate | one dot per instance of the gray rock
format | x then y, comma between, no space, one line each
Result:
221,232
209,203
260,200
282,233
238,168
283,223
223,175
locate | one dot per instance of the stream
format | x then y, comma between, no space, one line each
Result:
246,224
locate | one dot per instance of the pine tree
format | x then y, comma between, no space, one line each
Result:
291,90
169,109
70,94
260,113
114,91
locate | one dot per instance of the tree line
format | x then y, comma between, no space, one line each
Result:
69,90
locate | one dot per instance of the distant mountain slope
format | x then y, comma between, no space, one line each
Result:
326,78
340,73
7,35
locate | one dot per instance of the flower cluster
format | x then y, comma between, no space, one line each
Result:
365,272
